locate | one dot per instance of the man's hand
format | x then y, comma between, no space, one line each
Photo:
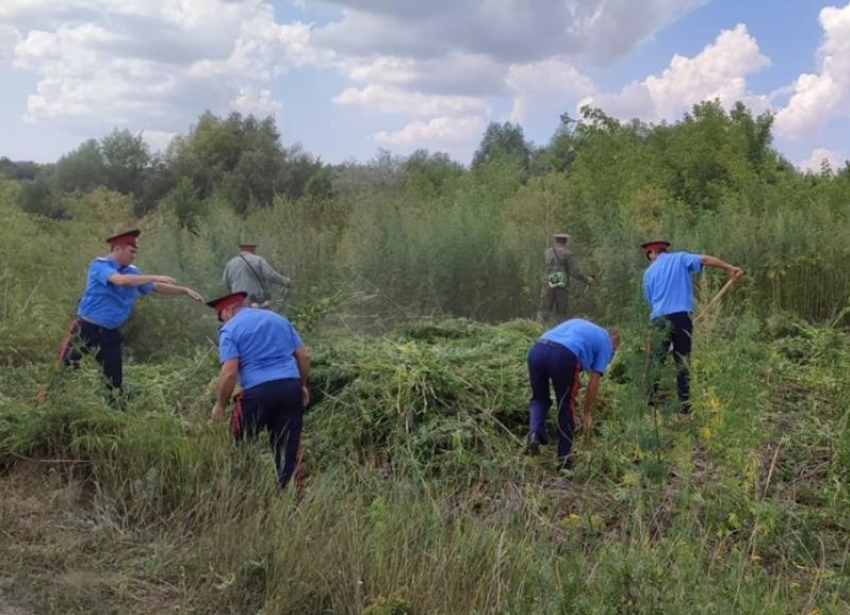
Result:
586,421
305,397
194,295
736,273
217,413
591,280
163,279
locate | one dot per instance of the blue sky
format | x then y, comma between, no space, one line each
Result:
347,77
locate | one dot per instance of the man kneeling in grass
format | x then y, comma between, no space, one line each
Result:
559,356
264,352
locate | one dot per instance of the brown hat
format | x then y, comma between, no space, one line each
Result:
563,236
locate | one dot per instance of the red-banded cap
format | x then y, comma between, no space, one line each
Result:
222,303
127,238
657,244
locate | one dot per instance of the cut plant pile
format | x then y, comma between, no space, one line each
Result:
418,498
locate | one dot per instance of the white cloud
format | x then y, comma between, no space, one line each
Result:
262,51
718,72
256,101
545,88
385,99
814,163
456,73
158,140
438,62
439,133
157,63
818,98
510,31
150,64
9,39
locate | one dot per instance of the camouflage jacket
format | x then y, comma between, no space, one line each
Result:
560,264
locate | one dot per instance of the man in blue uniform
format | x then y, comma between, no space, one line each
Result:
668,291
113,284
559,356
264,352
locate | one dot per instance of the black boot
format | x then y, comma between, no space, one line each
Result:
566,464
533,445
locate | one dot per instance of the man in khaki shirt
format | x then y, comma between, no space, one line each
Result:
250,273
560,266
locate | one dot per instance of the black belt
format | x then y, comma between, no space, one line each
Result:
86,322
551,344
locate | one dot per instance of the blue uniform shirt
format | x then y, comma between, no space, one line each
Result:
264,343
590,343
667,283
104,303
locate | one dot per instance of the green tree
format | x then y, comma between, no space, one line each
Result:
240,157
503,141
37,197
82,169
560,153
426,175
126,158
17,169
184,203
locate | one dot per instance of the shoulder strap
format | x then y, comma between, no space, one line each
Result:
260,278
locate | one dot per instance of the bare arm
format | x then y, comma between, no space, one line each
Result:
590,397
173,289
302,359
123,279
226,382
713,261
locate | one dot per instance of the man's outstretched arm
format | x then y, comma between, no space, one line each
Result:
717,263
174,289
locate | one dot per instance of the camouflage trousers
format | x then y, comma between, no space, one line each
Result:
553,305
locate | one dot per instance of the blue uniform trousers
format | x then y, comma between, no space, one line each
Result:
676,330
275,406
552,362
86,337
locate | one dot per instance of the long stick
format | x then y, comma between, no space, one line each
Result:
715,300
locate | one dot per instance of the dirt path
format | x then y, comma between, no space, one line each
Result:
8,608
59,554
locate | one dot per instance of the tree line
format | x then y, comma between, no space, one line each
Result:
421,228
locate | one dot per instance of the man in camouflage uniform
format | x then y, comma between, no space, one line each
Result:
250,273
555,295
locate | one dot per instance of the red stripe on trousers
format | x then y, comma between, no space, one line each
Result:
299,470
236,414
67,342
574,390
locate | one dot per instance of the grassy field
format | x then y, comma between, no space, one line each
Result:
417,497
